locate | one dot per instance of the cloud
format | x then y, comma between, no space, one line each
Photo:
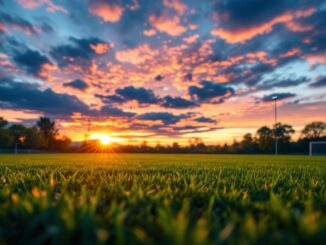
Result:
138,55
168,24
115,112
165,117
209,90
33,4
17,95
31,60
280,96
130,93
177,102
18,23
141,95
321,82
77,84
79,50
269,84
240,22
107,10
159,78
205,120
177,5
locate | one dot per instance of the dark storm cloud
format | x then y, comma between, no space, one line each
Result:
205,120
280,96
238,14
18,23
110,98
17,95
80,50
188,77
209,90
129,93
31,61
165,117
269,84
77,84
159,78
115,112
141,95
145,96
177,102
321,82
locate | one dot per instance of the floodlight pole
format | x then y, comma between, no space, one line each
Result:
275,134
16,148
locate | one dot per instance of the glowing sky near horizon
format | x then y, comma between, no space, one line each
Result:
163,70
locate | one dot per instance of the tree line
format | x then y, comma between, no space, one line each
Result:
262,142
44,135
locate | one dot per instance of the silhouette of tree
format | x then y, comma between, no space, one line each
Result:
48,129
265,139
314,130
248,144
3,122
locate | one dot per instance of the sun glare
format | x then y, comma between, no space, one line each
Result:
105,139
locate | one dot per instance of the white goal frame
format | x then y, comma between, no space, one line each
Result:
311,143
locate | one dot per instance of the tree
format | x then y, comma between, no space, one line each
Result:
6,140
18,132
3,122
314,130
265,139
248,144
34,139
48,129
62,144
283,133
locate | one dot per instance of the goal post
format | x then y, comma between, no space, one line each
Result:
312,143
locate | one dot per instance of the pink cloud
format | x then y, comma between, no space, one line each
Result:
101,48
107,11
33,4
138,55
150,32
316,58
177,5
290,53
191,39
167,24
3,28
245,34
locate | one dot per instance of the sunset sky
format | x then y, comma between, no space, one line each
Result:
163,70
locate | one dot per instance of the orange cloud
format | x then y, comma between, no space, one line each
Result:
191,39
316,58
177,5
137,55
108,12
3,28
242,35
101,48
33,4
290,53
245,34
297,27
167,24
150,32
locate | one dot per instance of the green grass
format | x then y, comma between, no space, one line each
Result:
162,199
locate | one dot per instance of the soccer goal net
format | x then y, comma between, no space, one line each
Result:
317,148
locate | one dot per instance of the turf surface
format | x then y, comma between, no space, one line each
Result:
162,199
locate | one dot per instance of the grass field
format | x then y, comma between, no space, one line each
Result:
162,199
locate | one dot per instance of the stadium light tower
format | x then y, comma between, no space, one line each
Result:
275,134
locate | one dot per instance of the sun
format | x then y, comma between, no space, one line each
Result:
105,139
